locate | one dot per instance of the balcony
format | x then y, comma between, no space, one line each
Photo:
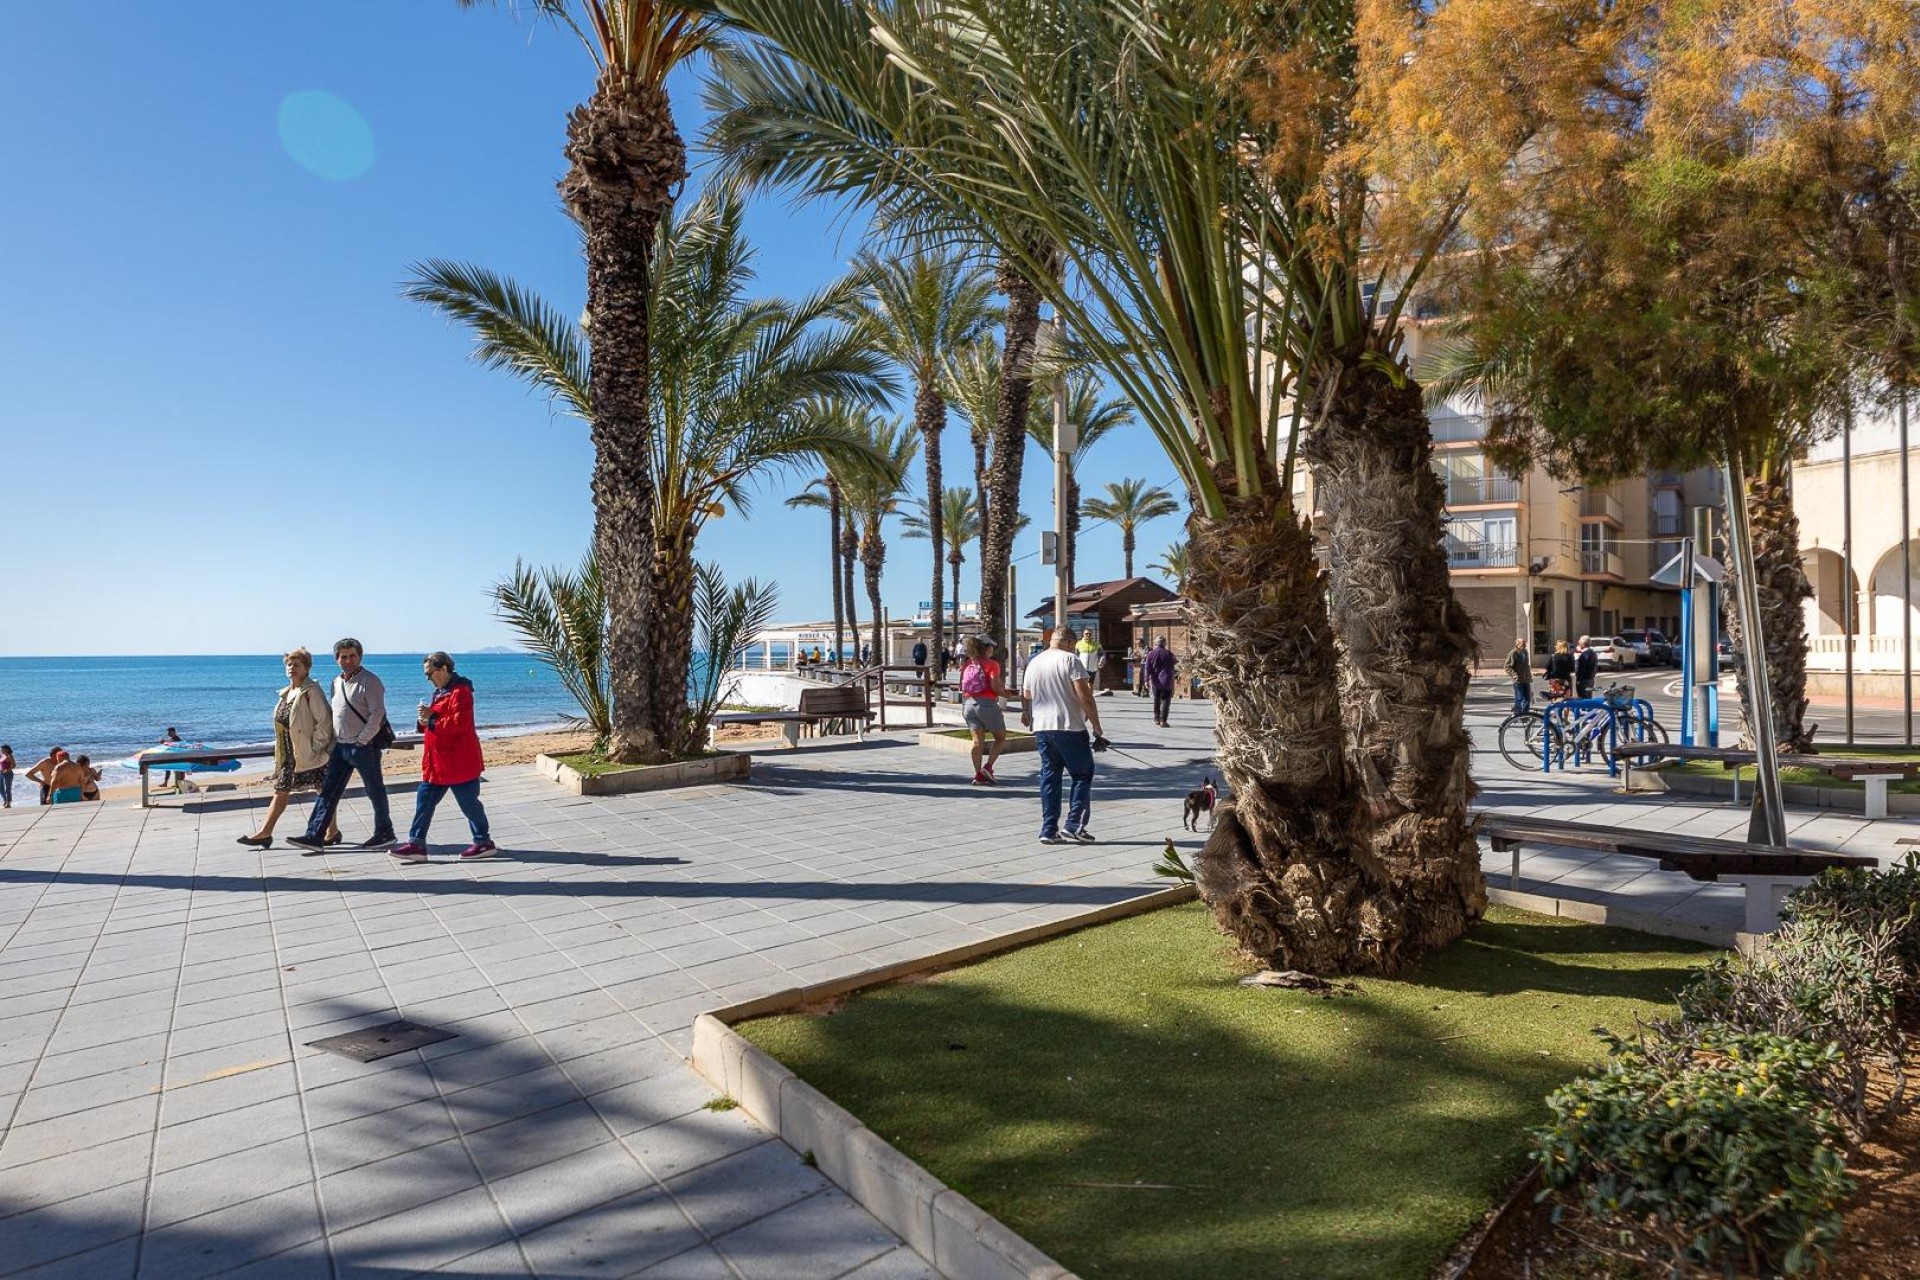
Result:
1449,427
1594,564
1599,504
1468,490
1665,524
1664,479
1468,553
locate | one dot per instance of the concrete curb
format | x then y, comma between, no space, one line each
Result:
726,766
1835,798
955,1236
1617,917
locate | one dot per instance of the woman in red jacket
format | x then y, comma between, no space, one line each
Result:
449,761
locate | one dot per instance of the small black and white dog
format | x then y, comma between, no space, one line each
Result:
1197,803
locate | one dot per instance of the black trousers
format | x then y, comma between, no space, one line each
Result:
1162,703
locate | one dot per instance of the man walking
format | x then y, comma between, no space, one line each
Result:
1058,706
360,731
1586,665
1520,672
1159,666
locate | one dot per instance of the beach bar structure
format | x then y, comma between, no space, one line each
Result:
1104,610
777,647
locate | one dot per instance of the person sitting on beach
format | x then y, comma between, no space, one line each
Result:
90,781
42,773
68,781
450,760
6,776
302,741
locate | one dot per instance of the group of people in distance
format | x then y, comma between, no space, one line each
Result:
321,740
1569,671
64,778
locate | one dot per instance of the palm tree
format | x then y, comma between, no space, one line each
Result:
625,161
561,618
1172,565
822,493
1130,504
737,378
973,379
920,311
960,520
1214,214
1089,416
874,492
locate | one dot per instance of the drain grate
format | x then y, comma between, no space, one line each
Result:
373,1043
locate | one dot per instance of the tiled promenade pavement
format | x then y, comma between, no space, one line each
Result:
163,1116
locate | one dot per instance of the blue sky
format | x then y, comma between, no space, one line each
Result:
222,430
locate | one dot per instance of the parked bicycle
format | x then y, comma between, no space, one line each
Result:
1571,731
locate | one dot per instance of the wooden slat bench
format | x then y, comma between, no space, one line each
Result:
164,761
1766,871
819,709
1874,773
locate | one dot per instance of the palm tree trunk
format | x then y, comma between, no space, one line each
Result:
625,159
849,552
1783,590
930,416
1407,649
873,554
1072,550
673,585
956,561
980,489
833,561
1276,871
1000,491
1126,548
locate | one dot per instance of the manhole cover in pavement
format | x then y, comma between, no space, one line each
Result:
374,1043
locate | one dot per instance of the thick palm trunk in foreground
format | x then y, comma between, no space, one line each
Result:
873,557
1784,589
1276,870
1406,650
673,587
626,158
1000,505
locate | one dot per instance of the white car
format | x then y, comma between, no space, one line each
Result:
1614,653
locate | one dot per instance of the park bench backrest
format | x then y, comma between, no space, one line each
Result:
835,700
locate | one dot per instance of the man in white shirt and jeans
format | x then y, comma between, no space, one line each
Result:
359,714
1058,706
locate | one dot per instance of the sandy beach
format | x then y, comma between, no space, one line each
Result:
505,750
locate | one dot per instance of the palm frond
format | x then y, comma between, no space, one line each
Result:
512,328
561,618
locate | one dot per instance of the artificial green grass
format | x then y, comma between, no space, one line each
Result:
1810,777
1299,1136
591,764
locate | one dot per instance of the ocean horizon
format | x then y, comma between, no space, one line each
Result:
111,707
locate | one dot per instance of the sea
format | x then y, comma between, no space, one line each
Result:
109,708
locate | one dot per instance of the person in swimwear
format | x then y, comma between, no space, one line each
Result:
68,781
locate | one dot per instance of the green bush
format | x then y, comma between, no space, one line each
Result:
1865,900
1714,1150
1823,982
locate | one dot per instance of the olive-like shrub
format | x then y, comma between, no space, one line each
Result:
1868,900
1699,1148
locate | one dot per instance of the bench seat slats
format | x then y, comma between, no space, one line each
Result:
1700,857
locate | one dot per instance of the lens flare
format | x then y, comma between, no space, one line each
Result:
325,136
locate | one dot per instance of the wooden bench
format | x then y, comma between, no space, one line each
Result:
840,703
1767,872
1875,774
164,761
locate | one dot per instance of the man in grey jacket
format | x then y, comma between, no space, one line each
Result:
359,716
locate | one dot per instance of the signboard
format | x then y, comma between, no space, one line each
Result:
925,612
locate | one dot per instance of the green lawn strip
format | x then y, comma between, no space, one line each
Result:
1808,777
589,765
1306,1137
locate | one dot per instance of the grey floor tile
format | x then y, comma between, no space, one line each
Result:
737,1189
616,1238
538,1196
397,1184
76,1226
422,1238
225,1181
231,1237
695,1264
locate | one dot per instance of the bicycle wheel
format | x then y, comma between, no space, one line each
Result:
1520,739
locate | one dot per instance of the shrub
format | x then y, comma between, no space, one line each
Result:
1823,982
1715,1149
1864,900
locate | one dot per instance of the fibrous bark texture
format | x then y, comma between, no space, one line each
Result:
930,417
672,600
1406,653
625,160
1000,511
1784,589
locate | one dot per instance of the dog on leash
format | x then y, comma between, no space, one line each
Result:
1197,803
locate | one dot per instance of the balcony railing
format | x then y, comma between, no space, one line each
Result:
1599,502
1664,524
1598,562
1452,428
1465,491
1467,553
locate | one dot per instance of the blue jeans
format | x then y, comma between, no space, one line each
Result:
6,787
1522,698
345,761
1072,753
465,794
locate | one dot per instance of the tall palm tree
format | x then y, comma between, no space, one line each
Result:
875,492
625,161
973,380
1172,565
920,310
1130,504
737,379
1090,417
1214,214
822,493
960,519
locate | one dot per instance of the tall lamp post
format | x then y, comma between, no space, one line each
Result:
1063,445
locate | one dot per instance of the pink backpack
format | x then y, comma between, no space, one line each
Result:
973,680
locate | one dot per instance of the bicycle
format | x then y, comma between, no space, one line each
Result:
1601,725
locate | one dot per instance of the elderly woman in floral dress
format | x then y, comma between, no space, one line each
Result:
302,738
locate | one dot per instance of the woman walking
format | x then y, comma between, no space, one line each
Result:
302,740
980,688
449,761
6,776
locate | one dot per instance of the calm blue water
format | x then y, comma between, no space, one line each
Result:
111,707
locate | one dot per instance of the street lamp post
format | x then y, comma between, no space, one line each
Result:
1063,445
